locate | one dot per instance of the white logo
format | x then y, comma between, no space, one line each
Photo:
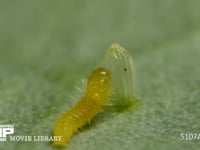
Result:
5,130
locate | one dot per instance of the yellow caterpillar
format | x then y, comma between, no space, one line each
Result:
98,88
101,86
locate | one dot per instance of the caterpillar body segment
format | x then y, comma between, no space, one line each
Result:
97,90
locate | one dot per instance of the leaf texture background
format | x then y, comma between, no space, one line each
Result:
46,47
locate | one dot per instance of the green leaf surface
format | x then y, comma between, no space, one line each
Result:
46,47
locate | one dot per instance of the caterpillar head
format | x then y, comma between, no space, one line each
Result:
99,81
